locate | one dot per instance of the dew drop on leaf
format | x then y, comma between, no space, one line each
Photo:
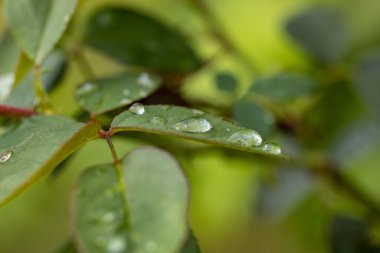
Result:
158,121
125,101
6,156
86,88
137,108
272,148
246,138
197,112
145,80
193,125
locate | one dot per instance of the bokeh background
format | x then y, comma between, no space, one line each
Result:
316,69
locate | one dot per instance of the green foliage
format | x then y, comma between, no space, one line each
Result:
69,69
38,25
137,39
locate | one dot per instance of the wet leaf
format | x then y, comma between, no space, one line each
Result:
37,25
109,93
153,45
36,146
189,124
102,219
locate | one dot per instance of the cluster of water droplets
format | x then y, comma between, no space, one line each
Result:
246,138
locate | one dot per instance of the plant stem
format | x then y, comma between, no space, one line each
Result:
13,111
42,98
218,33
119,170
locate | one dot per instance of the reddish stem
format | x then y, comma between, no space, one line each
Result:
13,111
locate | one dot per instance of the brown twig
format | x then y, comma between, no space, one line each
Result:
13,111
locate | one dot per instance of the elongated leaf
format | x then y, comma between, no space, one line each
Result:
9,54
190,124
109,93
33,149
321,32
38,24
284,87
153,226
137,39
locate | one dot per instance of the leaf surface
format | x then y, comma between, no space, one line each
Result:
37,25
102,95
35,147
190,124
153,226
137,39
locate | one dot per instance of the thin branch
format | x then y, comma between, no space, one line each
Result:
13,111
119,170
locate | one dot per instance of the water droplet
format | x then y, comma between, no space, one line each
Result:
228,130
116,245
272,148
137,108
145,80
126,92
6,156
125,101
246,138
193,125
197,112
143,93
86,88
158,121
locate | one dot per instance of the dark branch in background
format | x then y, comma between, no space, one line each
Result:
13,111
218,33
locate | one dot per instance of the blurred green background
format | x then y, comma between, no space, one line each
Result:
239,202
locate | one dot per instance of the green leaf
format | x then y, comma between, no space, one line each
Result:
109,93
284,87
153,45
153,226
35,147
226,82
37,25
321,32
189,124
9,54
152,174
53,68
191,245
250,114
100,218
